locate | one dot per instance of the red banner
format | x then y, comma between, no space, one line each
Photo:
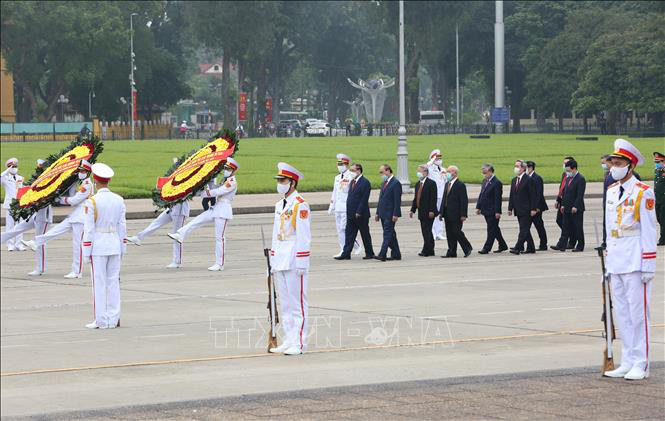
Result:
135,112
269,110
242,106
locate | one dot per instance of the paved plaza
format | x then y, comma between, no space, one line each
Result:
487,336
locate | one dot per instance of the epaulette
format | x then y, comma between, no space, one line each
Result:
300,199
643,186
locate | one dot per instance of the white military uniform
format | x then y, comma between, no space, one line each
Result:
104,243
338,202
76,197
39,221
11,183
437,174
631,253
177,215
219,214
289,259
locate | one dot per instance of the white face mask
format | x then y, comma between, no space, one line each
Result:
341,168
353,175
564,167
438,162
419,175
283,188
618,173
227,173
604,166
13,170
517,170
83,176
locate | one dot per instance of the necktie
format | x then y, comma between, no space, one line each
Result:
353,185
482,189
284,204
517,184
621,190
383,186
420,190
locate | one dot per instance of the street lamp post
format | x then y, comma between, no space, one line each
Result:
457,71
499,76
132,84
91,95
62,100
402,153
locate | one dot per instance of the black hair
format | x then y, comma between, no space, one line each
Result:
569,158
387,168
359,166
531,164
572,164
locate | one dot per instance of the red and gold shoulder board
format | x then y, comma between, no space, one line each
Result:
304,214
643,186
650,203
300,199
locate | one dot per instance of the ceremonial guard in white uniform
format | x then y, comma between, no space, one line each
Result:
11,182
75,197
176,214
437,173
104,243
631,258
338,201
220,214
289,259
39,221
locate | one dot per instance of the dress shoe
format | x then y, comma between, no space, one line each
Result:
342,257
483,251
661,243
421,254
445,256
533,251
368,257
468,253
173,265
216,268
338,254
578,250
73,275
394,258
29,244
569,247
35,273
92,325
617,372
20,247
176,236
278,350
379,258
636,373
294,350
557,248
134,240
542,248
501,250
10,248
513,251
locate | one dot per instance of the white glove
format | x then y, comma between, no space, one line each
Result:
62,201
647,277
330,209
301,272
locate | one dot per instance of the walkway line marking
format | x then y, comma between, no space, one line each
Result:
320,351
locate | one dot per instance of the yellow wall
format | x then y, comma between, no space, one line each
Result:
7,113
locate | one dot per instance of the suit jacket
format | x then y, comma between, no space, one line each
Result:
573,193
523,198
489,200
427,199
455,203
540,191
390,199
357,202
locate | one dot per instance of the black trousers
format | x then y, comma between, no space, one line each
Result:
353,225
660,216
524,235
207,202
571,240
540,228
389,239
428,237
455,235
493,233
573,230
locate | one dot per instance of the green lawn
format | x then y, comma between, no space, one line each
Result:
138,164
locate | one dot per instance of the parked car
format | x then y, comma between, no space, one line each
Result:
317,128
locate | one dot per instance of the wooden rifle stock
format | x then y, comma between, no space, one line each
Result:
273,315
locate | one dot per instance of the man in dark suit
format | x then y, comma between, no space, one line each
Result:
424,202
557,204
357,214
542,205
454,208
523,202
388,212
572,208
489,205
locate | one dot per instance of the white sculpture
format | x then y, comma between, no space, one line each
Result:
355,109
374,96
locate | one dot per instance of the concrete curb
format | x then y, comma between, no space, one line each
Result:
249,210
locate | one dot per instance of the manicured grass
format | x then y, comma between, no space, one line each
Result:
138,164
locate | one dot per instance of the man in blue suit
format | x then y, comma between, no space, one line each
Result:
357,214
388,212
489,205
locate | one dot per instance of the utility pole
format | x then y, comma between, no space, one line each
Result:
457,70
132,84
499,79
402,152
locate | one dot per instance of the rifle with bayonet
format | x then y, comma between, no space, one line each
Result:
272,299
608,321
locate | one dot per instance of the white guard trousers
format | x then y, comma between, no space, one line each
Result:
340,223
163,219
16,233
630,297
77,237
206,218
293,307
106,289
437,226
10,222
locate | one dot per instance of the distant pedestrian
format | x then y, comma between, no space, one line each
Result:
489,205
388,212
424,205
